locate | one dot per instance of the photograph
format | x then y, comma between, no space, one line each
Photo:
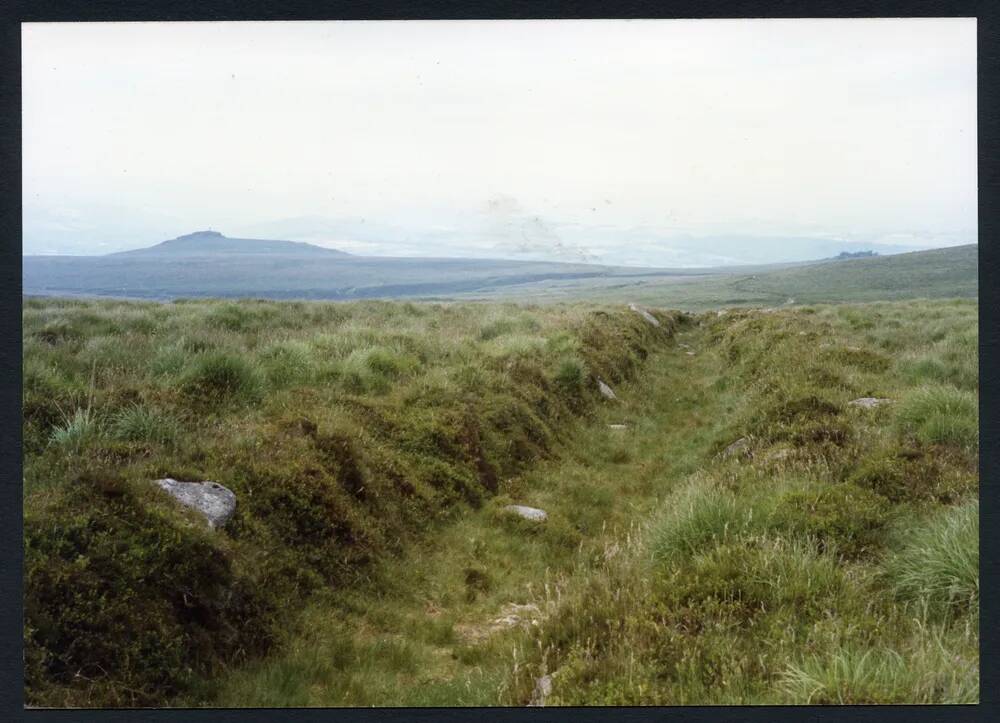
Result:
499,363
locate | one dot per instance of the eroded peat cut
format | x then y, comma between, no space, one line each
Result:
346,432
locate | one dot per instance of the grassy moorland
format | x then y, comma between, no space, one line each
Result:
346,431
832,557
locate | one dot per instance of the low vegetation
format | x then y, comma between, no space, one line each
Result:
829,557
347,432
835,560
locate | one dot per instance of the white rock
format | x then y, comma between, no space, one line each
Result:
529,513
645,315
689,353
741,446
618,427
514,614
868,402
543,689
215,502
606,391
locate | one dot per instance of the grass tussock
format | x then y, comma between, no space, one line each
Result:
940,415
937,564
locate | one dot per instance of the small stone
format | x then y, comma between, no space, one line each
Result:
543,689
645,315
689,353
868,402
529,513
514,614
618,427
606,391
215,502
741,447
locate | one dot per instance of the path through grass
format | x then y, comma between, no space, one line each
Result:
430,629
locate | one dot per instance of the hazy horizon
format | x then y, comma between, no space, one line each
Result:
658,143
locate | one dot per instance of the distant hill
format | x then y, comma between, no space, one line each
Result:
937,273
213,243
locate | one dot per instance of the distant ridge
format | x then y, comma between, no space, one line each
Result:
213,243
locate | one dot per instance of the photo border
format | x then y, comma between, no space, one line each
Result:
11,568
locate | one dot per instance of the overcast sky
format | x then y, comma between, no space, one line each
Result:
607,140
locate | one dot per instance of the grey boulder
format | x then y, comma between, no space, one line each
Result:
215,502
529,513
645,315
543,689
740,447
606,391
868,402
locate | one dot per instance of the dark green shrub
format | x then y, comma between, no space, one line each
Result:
912,474
743,580
124,607
803,420
843,517
477,581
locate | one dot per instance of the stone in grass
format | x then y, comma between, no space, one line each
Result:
740,447
868,402
645,315
529,513
211,499
606,391
618,427
543,689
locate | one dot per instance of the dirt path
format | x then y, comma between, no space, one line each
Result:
444,625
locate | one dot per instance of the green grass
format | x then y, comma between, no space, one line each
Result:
937,565
348,433
371,557
940,415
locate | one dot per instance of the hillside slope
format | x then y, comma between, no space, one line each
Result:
938,273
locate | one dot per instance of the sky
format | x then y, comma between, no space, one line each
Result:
663,142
